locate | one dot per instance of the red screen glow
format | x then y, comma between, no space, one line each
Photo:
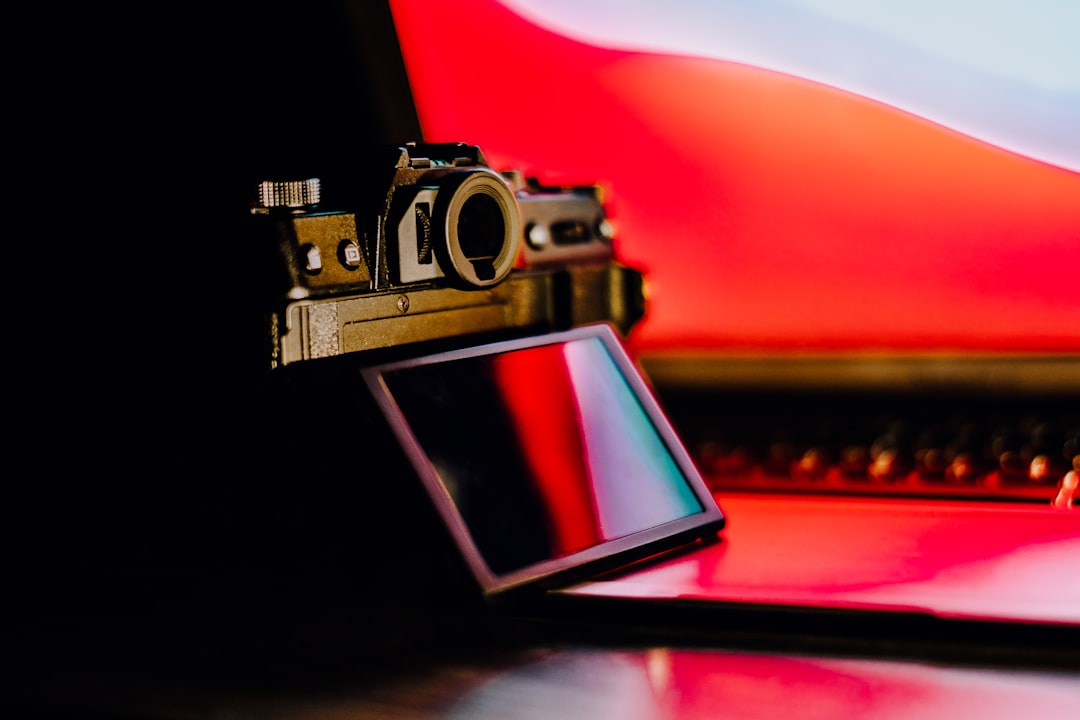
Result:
767,210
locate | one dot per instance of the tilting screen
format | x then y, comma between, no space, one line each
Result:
544,451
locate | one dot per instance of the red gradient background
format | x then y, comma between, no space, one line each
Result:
768,211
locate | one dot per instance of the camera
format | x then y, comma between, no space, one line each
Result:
426,242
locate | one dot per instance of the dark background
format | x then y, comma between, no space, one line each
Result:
153,465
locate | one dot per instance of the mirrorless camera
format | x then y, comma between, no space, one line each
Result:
427,241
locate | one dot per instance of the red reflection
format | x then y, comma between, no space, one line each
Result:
708,685
539,397
767,210
955,559
691,684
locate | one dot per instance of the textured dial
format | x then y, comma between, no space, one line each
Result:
289,193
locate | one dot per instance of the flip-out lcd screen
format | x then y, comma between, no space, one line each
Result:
543,453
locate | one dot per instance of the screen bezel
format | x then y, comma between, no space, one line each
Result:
627,548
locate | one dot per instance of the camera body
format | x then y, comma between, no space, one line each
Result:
428,242
425,248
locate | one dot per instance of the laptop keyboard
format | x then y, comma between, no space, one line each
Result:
1012,449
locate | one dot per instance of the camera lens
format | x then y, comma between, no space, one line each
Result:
481,231
481,227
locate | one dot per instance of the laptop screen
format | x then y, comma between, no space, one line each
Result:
543,454
811,176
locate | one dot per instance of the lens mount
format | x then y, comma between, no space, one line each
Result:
480,227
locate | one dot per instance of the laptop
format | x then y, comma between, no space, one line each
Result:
826,240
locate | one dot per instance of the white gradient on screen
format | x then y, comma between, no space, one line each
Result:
636,483
1004,71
